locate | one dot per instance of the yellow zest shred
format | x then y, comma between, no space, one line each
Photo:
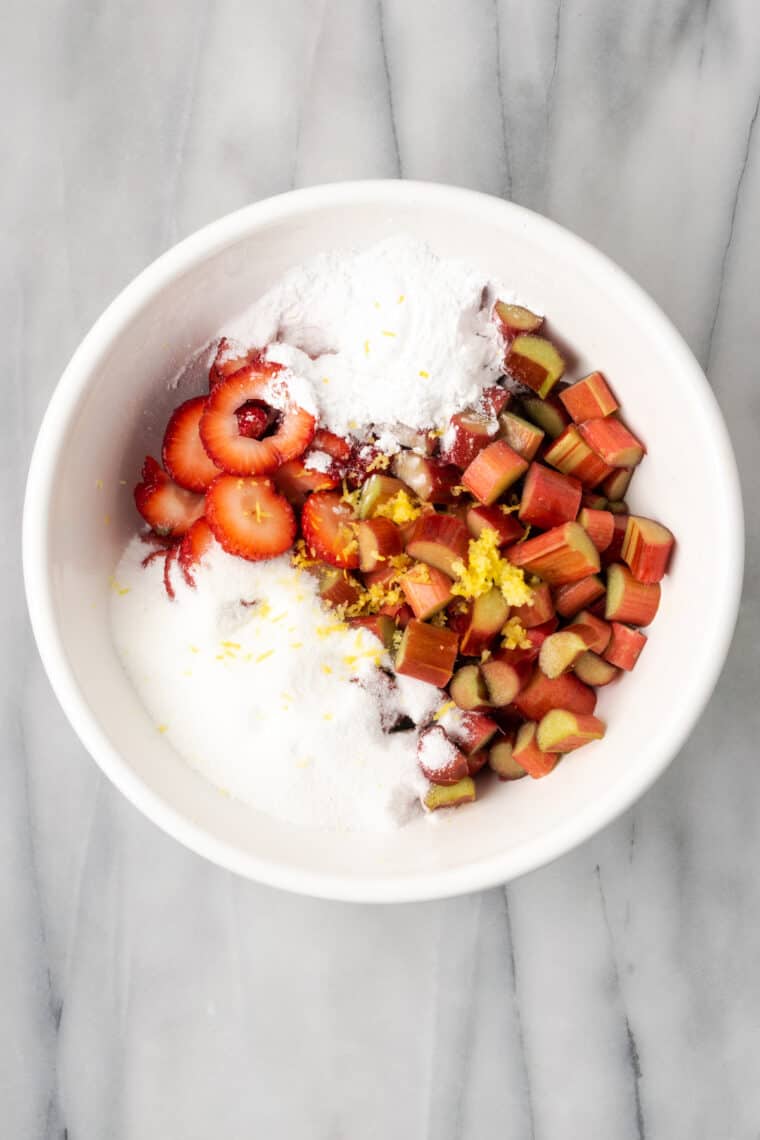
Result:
486,568
514,635
423,374
351,497
443,710
326,668
379,463
263,656
509,509
401,508
300,557
440,619
401,299
387,332
230,645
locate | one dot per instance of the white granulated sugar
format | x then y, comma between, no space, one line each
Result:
318,461
435,750
269,701
387,335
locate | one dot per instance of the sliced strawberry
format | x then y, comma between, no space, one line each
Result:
169,562
167,507
334,445
295,481
253,419
328,525
195,543
183,453
249,518
230,357
220,431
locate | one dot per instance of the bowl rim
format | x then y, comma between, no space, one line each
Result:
415,886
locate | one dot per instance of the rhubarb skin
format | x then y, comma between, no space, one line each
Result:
571,455
379,540
563,731
594,670
440,541
625,646
537,611
486,617
589,398
647,547
428,743
472,732
501,761
549,414
614,551
542,694
530,756
563,554
599,526
381,625
507,527
337,587
431,480
575,596
467,434
493,471
535,362
438,796
427,653
427,592
596,625
549,498
629,600
613,442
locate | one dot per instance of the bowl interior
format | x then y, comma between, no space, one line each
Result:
111,409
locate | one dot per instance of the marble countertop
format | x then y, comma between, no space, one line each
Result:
149,995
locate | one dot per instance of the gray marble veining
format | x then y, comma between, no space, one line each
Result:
146,994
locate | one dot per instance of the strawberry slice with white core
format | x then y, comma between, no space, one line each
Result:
329,529
194,545
249,518
220,431
184,455
168,508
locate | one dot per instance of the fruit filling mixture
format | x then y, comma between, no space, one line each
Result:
387,547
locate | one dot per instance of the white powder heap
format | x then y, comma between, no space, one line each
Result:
270,702
388,335
436,751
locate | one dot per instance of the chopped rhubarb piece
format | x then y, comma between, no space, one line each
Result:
537,762
507,526
431,480
629,600
400,612
596,625
594,670
647,547
220,431
544,693
570,599
468,689
625,646
492,471
439,540
503,681
563,554
549,414
296,481
613,442
248,517
329,529
439,758
168,508
589,398
494,399
538,610
560,651
471,731
334,445
616,485
599,526
379,540
523,437
615,549
486,617
573,456
376,491
516,319
549,498
564,731
501,761
534,362
427,590
427,653
617,507
521,657
337,587
593,502
467,434
438,796
382,626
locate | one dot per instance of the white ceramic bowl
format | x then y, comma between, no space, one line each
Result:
111,404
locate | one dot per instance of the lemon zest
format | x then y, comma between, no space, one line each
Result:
514,636
487,568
